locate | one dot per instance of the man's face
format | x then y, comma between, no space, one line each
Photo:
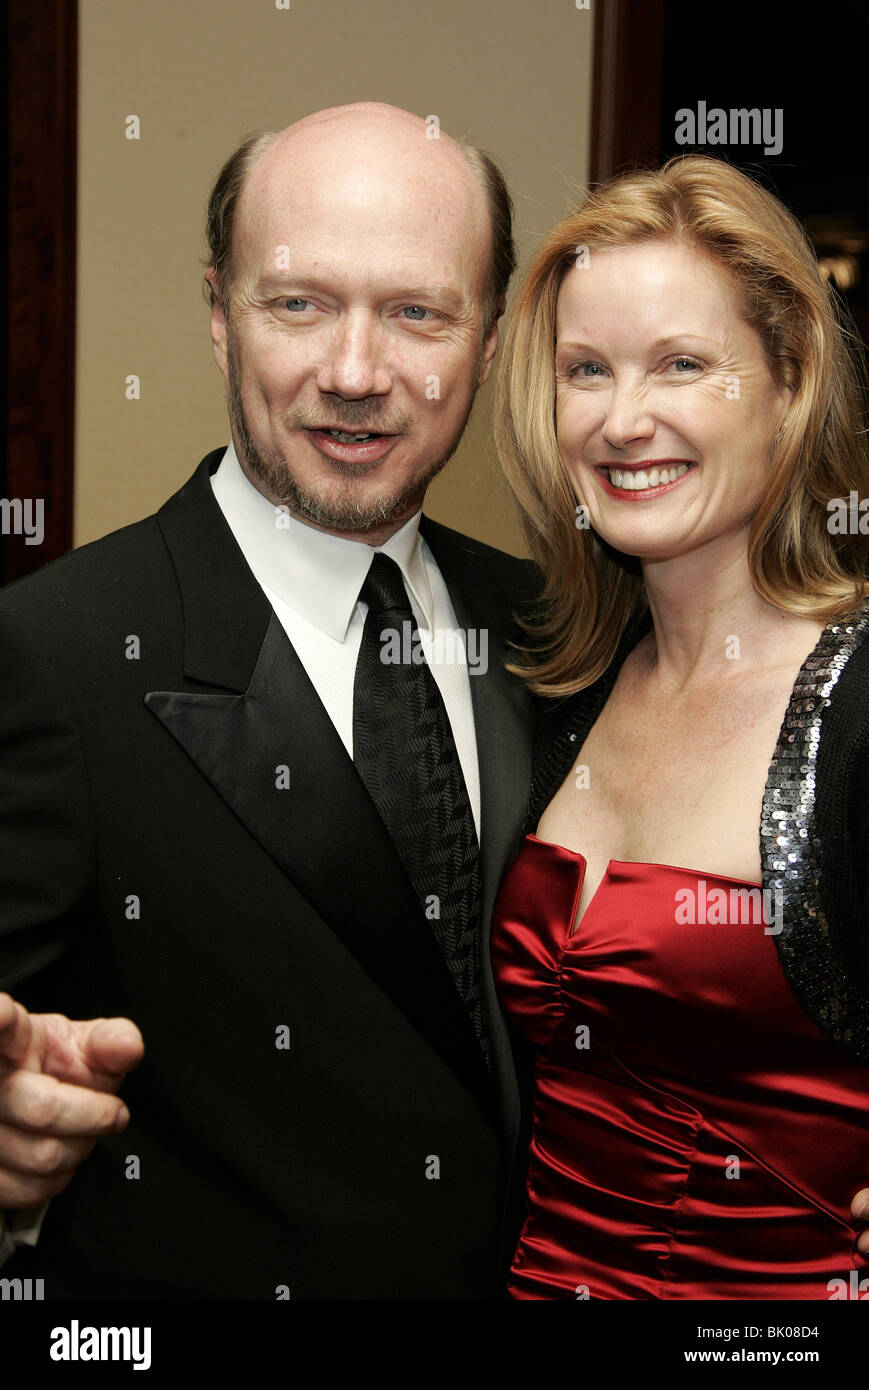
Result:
354,344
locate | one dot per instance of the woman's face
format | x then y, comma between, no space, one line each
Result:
657,370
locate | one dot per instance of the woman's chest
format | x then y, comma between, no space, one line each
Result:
679,783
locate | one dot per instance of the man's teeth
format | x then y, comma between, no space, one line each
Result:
636,482
349,438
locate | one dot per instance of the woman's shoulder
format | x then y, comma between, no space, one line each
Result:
818,783
840,673
829,736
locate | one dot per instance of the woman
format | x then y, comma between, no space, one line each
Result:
683,936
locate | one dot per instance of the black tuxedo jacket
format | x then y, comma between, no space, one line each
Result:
313,1116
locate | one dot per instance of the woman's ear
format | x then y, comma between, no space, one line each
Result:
784,401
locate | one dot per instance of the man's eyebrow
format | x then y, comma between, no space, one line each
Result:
440,292
275,282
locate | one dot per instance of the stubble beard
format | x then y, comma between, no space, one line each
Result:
335,507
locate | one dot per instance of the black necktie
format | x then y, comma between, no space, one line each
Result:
405,752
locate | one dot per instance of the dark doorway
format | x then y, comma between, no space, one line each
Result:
39,109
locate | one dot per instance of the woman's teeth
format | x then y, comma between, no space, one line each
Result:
636,482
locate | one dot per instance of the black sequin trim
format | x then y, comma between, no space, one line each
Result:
790,848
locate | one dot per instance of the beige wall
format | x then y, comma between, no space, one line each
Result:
513,77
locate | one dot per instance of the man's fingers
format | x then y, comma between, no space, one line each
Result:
15,1031
112,1047
32,1102
95,1052
19,1192
57,1082
39,1156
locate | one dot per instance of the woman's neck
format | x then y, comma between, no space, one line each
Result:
711,624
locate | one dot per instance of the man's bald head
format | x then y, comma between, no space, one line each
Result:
373,139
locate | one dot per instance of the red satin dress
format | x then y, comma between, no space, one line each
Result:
695,1135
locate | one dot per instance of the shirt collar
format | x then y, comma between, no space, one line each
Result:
318,575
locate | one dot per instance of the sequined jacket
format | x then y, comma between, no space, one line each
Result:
814,827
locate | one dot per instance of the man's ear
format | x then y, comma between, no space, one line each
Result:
489,349
218,324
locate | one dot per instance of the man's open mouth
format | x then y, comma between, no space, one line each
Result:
352,446
346,438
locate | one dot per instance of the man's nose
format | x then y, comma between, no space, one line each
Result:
356,364
627,416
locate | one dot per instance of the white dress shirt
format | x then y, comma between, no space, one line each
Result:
312,581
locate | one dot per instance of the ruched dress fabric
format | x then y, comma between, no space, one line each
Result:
695,1135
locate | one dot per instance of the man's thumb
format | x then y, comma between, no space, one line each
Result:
113,1046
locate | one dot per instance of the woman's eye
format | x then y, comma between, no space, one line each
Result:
588,371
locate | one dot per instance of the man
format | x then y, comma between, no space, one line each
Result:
217,826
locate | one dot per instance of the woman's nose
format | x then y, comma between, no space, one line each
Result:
627,417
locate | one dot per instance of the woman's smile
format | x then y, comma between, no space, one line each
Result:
636,482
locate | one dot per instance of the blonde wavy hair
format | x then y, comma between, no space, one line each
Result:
592,592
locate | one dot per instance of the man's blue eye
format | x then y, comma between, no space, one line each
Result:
688,361
292,303
416,309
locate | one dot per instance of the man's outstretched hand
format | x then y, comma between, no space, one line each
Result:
58,1078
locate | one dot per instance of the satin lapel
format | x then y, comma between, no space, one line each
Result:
316,819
